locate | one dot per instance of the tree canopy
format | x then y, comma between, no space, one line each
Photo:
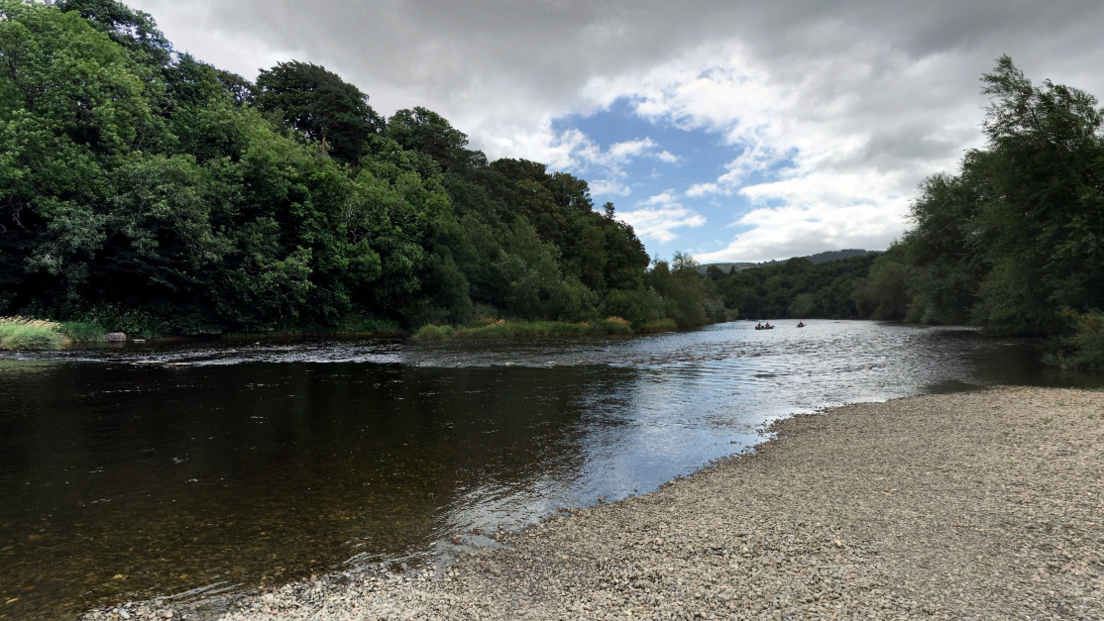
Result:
1013,243
146,190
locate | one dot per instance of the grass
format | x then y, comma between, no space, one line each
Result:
659,325
22,334
430,332
508,329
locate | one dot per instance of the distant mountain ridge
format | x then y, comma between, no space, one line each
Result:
820,257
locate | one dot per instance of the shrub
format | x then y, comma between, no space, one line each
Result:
616,325
1084,349
431,332
660,325
83,332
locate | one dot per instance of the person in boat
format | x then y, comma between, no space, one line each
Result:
759,326
768,326
801,324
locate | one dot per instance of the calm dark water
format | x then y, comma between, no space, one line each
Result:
154,470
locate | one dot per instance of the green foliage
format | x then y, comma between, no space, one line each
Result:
320,105
533,329
883,293
427,132
616,326
659,325
82,332
796,288
430,332
147,192
689,299
1084,348
134,30
1016,239
19,334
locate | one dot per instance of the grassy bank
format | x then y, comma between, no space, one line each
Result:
508,329
24,334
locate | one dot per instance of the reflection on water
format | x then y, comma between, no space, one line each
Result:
156,469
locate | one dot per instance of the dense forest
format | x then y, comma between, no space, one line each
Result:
797,288
143,190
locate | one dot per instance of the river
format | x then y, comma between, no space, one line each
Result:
212,467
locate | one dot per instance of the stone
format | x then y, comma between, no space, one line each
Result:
115,337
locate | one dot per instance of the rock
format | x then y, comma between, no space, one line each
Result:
115,337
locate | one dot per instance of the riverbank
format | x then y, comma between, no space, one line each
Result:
26,334
22,334
503,328
983,504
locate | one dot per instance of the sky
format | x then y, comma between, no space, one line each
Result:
733,130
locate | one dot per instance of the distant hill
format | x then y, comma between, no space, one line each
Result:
820,257
834,255
725,267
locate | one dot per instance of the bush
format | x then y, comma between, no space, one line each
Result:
430,332
83,332
19,334
638,306
1084,349
616,325
660,325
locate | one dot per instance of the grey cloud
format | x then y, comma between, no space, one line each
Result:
447,51
904,74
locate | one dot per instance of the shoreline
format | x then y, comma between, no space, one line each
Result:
53,336
985,504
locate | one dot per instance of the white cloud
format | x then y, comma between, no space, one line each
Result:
793,231
658,214
575,152
810,159
834,110
605,187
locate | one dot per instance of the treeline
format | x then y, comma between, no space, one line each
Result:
1013,243
797,288
144,190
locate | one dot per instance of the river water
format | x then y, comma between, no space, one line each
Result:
209,467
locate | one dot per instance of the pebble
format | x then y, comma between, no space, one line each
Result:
982,505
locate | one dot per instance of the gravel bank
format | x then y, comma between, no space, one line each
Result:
986,505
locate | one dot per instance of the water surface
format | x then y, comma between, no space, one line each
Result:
157,469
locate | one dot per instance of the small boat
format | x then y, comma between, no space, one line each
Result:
764,327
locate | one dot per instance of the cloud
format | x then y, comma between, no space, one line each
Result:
657,215
574,151
832,112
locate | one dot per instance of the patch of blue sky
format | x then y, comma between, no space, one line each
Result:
700,156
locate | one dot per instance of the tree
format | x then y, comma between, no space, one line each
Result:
319,105
136,31
428,132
